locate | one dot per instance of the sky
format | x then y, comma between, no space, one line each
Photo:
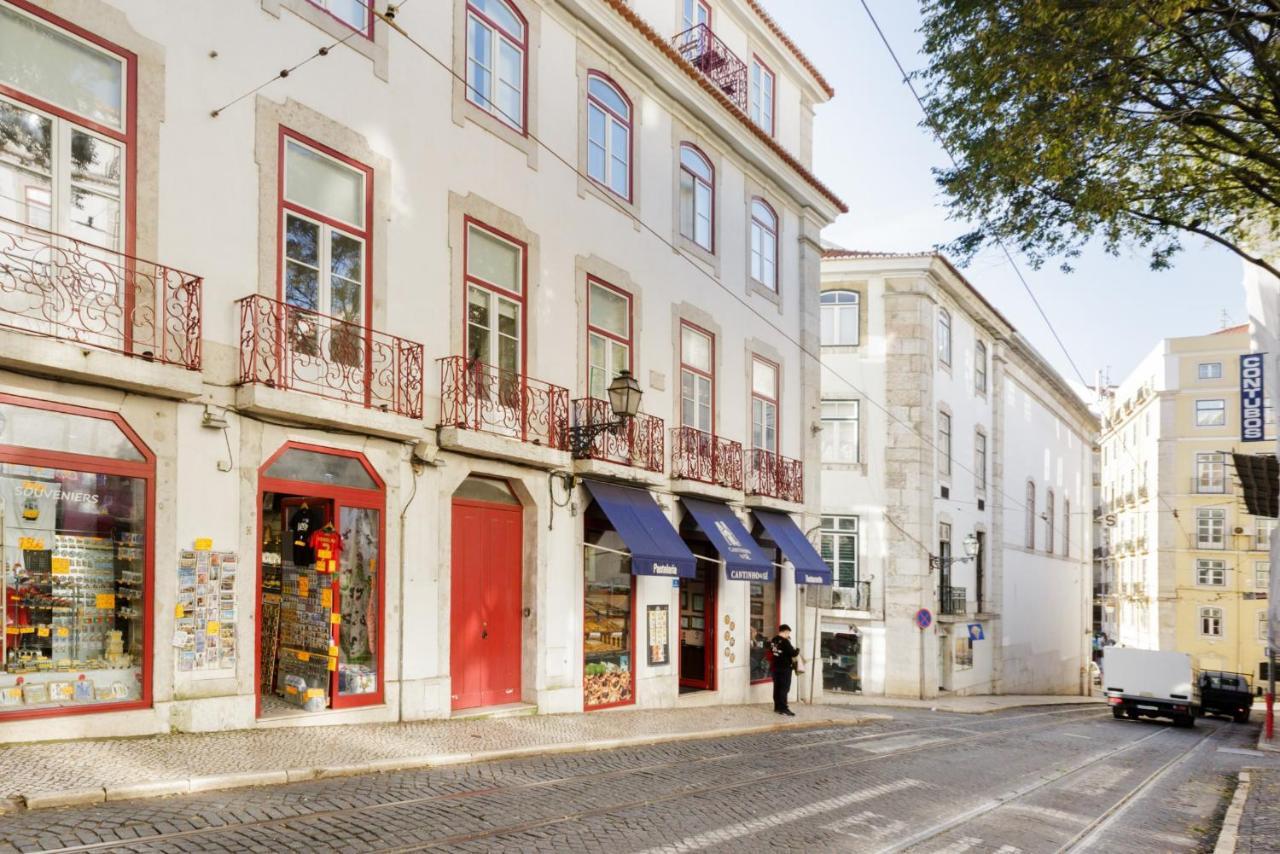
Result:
869,148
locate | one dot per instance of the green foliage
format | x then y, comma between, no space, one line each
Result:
1128,121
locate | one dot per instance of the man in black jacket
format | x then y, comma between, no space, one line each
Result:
784,656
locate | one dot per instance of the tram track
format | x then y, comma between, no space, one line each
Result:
349,813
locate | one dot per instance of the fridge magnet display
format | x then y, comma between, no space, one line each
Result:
659,635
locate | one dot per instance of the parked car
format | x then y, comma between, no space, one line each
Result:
1223,693
1147,683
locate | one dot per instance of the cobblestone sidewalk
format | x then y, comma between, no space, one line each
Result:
1260,820
64,773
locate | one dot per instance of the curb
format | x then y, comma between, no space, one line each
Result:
212,782
1231,823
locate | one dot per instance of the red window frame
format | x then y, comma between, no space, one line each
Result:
468,280
697,179
365,234
773,102
777,619
367,32
776,400
339,497
128,137
144,470
629,121
711,375
631,326
773,233
697,4
523,42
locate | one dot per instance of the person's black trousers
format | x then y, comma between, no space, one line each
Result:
781,688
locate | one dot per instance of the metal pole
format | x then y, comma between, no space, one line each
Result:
1271,692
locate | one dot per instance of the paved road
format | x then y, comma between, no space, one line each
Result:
1020,781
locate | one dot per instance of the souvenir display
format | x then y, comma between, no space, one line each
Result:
606,630
205,615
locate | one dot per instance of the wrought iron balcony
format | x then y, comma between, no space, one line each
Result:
295,349
704,50
852,596
60,287
704,457
639,442
775,476
952,601
476,396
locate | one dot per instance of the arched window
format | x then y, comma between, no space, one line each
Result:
1049,521
608,136
1031,514
944,336
497,59
840,320
764,244
697,197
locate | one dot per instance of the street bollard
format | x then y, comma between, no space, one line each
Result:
1271,715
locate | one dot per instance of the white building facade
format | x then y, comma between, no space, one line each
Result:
967,446
346,469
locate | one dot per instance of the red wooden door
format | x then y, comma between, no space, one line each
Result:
485,604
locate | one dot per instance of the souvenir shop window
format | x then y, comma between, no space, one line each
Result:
764,625
607,623
73,576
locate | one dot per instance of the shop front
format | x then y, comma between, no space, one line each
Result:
77,497
780,535
625,536
320,582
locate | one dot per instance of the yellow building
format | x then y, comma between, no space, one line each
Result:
1184,567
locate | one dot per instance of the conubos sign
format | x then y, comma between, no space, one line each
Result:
1252,398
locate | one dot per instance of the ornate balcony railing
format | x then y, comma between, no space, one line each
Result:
295,349
640,442
775,476
476,396
704,51
60,287
700,456
952,601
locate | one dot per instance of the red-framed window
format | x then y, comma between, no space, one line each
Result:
326,238
76,581
345,490
609,135
761,101
764,244
69,98
697,197
356,14
498,60
494,277
693,13
765,397
609,335
766,616
697,378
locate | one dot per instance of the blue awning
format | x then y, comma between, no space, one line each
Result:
656,548
743,559
810,567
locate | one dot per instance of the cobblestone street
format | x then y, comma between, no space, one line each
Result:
1025,780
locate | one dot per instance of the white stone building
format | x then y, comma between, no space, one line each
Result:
415,262
941,425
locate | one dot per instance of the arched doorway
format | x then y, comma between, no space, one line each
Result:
321,581
486,633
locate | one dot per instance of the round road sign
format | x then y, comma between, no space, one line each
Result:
924,618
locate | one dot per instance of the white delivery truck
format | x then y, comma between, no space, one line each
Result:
1147,683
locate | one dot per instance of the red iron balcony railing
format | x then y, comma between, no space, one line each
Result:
640,442
60,287
476,396
775,476
704,51
700,456
287,347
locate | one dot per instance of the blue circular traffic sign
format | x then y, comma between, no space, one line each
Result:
924,618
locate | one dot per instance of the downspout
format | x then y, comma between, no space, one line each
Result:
417,467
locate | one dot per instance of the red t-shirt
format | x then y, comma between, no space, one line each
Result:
327,546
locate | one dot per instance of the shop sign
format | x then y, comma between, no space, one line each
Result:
35,489
975,632
1252,398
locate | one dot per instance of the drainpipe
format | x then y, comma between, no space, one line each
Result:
417,465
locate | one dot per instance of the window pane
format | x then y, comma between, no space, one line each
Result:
492,259
350,12
501,14
606,625
695,349
619,153
828,325
609,311
608,96
702,216
479,63
360,603
479,325
510,95
695,163
62,70
56,431
316,467
26,166
686,205
595,143
321,184
764,378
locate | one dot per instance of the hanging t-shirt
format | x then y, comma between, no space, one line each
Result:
302,524
327,545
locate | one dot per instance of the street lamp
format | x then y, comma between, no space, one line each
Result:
970,544
624,399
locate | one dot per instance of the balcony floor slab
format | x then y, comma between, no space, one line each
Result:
633,475
684,486
309,410
57,358
494,446
766,502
